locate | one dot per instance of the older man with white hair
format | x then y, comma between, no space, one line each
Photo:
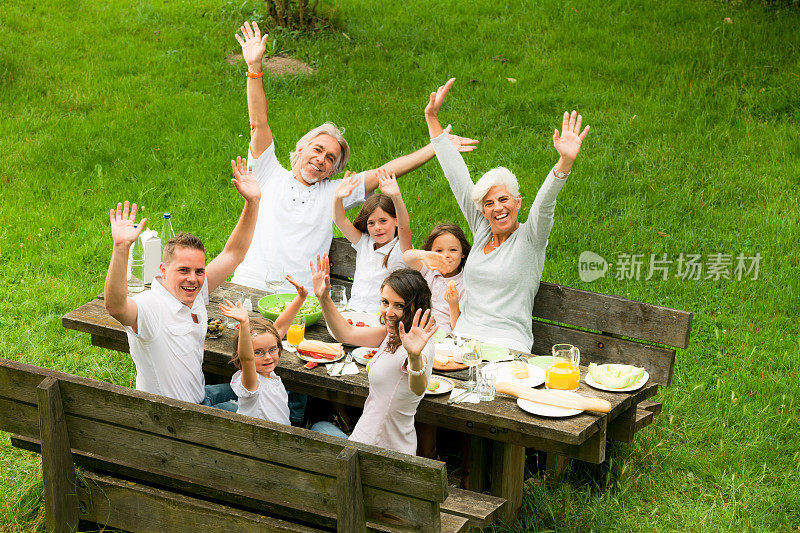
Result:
505,264
295,222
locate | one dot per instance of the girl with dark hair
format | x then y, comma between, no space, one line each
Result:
440,262
400,370
380,234
256,352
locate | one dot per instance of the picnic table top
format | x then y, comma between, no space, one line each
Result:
581,436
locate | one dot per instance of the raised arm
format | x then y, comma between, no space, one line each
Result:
284,320
344,189
370,337
455,170
235,249
244,349
423,326
115,292
416,258
568,144
389,187
253,47
406,163
451,296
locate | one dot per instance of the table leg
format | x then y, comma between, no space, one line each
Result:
555,464
477,461
508,476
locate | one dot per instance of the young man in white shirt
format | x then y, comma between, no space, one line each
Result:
166,325
296,222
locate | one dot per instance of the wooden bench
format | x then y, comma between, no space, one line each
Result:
150,463
607,329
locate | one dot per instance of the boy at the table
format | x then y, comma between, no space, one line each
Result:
166,325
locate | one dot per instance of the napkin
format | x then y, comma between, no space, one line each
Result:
495,352
472,397
288,347
350,369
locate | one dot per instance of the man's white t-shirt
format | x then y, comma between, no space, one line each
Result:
295,223
365,294
168,348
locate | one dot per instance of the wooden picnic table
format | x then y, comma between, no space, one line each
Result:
500,422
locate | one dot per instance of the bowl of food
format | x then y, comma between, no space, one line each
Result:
215,328
273,305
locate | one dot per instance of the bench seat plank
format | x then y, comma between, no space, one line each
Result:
480,509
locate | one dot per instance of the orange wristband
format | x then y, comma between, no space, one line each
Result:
253,74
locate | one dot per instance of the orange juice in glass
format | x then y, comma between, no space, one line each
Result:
296,331
563,373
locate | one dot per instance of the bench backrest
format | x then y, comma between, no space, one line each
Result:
607,329
266,467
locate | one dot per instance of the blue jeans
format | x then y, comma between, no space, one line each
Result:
221,396
297,408
327,428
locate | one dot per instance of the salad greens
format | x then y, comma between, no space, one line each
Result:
309,307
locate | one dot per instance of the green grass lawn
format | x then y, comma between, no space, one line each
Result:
694,149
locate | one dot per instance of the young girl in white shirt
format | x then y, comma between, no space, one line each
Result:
380,234
441,262
256,352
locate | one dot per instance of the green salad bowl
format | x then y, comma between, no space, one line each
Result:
267,307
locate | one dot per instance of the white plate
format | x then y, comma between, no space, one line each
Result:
636,386
359,353
370,319
445,385
321,360
543,409
536,375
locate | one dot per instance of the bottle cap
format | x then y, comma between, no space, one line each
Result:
166,215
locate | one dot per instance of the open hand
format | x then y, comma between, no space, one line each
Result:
451,294
437,99
235,311
301,291
433,260
123,229
568,143
388,183
244,181
346,185
462,144
253,44
321,276
423,326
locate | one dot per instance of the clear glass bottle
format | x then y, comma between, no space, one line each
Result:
136,279
166,231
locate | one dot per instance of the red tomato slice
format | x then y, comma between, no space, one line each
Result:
310,365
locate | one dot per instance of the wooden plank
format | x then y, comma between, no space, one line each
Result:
343,258
294,447
643,418
508,477
349,496
479,453
58,472
622,428
653,407
480,509
595,348
555,464
453,524
137,507
613,314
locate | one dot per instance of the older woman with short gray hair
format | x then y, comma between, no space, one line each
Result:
505,265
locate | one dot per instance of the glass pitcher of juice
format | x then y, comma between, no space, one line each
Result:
563,373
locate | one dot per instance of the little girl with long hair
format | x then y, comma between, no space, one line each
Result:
441,262
256,351
380,234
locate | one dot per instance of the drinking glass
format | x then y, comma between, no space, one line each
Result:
471,358
487,377
339,297
275,279
297,331
564,372
233,296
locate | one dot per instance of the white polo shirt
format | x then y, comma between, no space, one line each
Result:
365,294
269,401
168,350
295,223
